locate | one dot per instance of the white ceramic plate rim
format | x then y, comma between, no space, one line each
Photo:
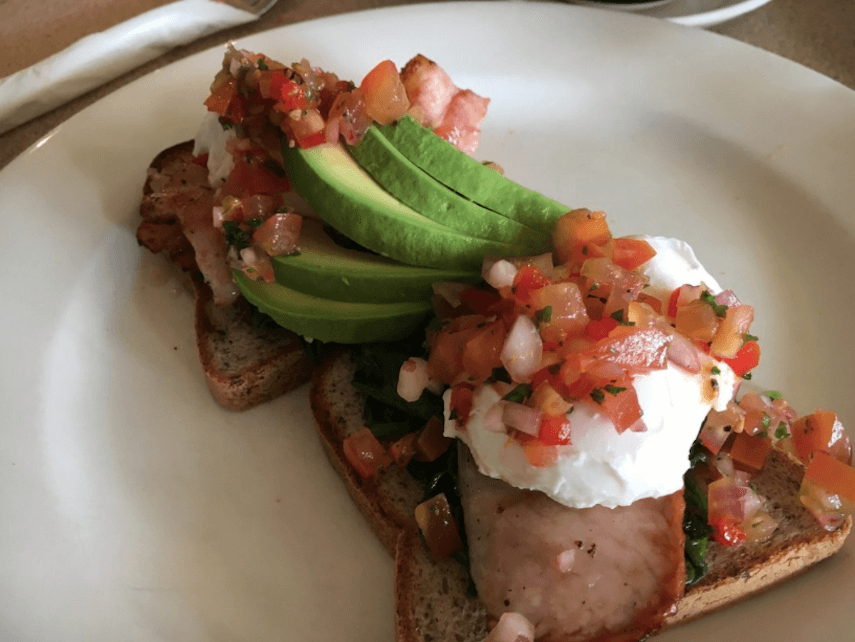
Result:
137,509
704,13
691,13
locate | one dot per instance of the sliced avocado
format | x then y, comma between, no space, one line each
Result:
326,269
344,195
336,321
475,181
412,186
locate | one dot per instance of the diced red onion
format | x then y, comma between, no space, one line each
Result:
522,418
727,298
542,262
450,291
522,350
333,130
493,418
412,379
724,464
683,353
512,627
498,273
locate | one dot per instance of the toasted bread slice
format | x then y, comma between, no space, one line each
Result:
244,363
433,602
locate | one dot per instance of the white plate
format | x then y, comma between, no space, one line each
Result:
135,509
692,13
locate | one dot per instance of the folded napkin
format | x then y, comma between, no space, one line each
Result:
100,57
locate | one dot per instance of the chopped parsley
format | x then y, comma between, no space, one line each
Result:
781,431
597,395
518,394
716,370
236,235
614,390
774,394
544,315
720,310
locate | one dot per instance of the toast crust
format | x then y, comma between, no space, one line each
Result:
432,601
244,365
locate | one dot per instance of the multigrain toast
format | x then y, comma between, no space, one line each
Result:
433,602
245,362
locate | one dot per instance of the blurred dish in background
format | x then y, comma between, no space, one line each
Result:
692,13
625,5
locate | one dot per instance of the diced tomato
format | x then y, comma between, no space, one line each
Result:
403,449
311,140
527,279
578,235
632,253
636,350
600,329
288,94
385,96
746,359
820,430
438,526
226,102
834,476
581,387
430,442
697,320
446,353
650,300
461,402
365,453
750,451
253,174
554,430
481,301
482,352
620,403
559,310
219,99
279,234
549,375
727,533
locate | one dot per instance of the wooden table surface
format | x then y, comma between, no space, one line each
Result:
819,34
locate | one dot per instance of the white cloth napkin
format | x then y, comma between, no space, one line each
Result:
100,57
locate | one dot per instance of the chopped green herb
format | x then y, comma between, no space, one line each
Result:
262,64
519,393
766,420
236,235
781,431
774,394
751,337
720,310
597,395
747,376
614,390
544,315
617,315
716,370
